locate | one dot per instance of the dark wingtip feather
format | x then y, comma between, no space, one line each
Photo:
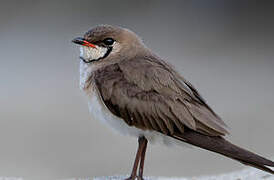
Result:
261,166
222,146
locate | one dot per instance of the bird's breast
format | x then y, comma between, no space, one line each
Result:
99,111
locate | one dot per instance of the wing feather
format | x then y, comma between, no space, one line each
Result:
150,95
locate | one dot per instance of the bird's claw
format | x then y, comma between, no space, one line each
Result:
129,178
138,178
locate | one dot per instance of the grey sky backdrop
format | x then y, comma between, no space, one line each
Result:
225,48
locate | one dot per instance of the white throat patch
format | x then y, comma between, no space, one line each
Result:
89,53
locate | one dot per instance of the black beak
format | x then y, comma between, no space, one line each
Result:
79,41
83,42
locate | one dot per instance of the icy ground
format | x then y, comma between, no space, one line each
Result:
245,174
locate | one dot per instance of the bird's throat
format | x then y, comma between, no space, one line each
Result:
89,54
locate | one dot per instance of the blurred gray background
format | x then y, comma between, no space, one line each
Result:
225,48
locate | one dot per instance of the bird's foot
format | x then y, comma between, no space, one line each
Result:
140,178
130,178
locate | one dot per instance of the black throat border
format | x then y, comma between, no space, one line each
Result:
109,49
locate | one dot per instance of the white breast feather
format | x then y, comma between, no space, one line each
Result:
99,111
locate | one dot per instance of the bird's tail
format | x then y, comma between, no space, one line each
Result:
222,146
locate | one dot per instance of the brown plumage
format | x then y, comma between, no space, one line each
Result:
146,93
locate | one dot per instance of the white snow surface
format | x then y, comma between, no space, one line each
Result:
245,174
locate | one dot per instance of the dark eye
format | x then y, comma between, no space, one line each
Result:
108,41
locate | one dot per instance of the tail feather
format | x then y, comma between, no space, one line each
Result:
222,146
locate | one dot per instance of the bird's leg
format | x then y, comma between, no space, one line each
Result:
142,161
142,143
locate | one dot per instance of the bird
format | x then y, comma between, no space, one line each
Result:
137,93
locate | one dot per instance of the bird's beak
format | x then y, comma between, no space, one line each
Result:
83,42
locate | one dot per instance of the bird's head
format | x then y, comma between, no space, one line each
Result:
107,43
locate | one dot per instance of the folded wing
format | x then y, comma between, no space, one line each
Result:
148,94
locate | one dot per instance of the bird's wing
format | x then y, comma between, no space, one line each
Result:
148,94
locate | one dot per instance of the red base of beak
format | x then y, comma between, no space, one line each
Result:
83,42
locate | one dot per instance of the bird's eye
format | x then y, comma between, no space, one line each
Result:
108,41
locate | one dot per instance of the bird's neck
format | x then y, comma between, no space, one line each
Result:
86,72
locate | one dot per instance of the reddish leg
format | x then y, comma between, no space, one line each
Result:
142,161
142,144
